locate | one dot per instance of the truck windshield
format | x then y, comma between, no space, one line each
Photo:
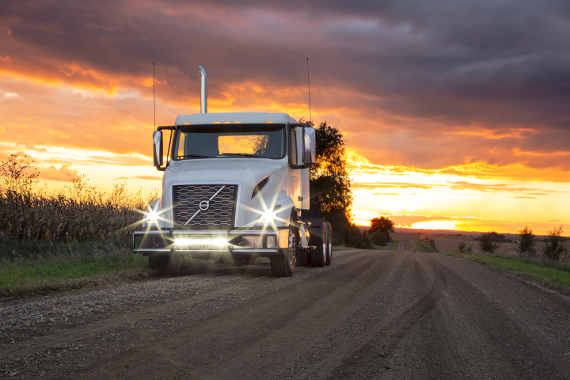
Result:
213,141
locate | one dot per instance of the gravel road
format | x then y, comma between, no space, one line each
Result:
371,314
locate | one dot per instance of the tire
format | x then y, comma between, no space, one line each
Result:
158,261
319,238
284,264
302,258
172,264
329,244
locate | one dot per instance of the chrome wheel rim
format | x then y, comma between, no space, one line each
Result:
325,237
292,246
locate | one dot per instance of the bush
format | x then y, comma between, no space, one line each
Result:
380,238
526,245
461,247
487,242
355,238
553,247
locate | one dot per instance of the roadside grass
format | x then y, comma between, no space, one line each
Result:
32,267
551,274
422,248
393,245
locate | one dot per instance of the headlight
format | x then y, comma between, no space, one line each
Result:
152,217
269,215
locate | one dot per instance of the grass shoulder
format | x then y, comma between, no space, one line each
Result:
550,274
422,247
43,267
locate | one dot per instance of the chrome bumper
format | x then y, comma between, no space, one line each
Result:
207,244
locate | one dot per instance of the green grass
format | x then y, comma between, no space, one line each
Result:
393,245
549,273
421,247
31,267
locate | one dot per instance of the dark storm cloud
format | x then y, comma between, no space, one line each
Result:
418,72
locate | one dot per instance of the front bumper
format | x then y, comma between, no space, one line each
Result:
209,244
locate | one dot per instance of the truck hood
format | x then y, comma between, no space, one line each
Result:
221,169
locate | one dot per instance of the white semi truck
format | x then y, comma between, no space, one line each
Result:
235,188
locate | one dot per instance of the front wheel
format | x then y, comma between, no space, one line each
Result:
164,263
284,264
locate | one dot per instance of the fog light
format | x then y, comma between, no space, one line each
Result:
270,242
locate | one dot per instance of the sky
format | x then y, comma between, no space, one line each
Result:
456,114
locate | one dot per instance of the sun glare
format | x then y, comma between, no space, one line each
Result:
435,225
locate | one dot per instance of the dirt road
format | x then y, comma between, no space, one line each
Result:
372,314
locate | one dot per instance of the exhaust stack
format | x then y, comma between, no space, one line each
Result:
203,91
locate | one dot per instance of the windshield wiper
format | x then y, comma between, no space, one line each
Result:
193,156
240,154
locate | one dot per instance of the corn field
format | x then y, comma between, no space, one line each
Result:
78,212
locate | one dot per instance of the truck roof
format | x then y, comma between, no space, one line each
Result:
232,117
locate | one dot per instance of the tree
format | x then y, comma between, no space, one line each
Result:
329,177
526,245
380,229
487,242
330,185
382,224
553,247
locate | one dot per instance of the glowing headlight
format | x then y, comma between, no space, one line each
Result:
269,216
192,242
152,217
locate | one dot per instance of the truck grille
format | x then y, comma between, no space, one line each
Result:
216,213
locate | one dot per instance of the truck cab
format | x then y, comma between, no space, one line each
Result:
235,188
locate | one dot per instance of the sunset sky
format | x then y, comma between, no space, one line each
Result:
456,114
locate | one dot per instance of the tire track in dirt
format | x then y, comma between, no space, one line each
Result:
275,321
381,343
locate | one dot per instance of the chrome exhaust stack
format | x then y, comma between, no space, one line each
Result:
203,91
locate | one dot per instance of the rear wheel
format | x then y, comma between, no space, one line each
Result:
284,264
319,238
329,244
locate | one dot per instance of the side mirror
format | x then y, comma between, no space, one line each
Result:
157,151
296,147
310,146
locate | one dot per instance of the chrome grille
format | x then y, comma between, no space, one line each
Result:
217,216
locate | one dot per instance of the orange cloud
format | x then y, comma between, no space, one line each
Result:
62,174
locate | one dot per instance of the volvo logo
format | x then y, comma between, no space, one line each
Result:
204,205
